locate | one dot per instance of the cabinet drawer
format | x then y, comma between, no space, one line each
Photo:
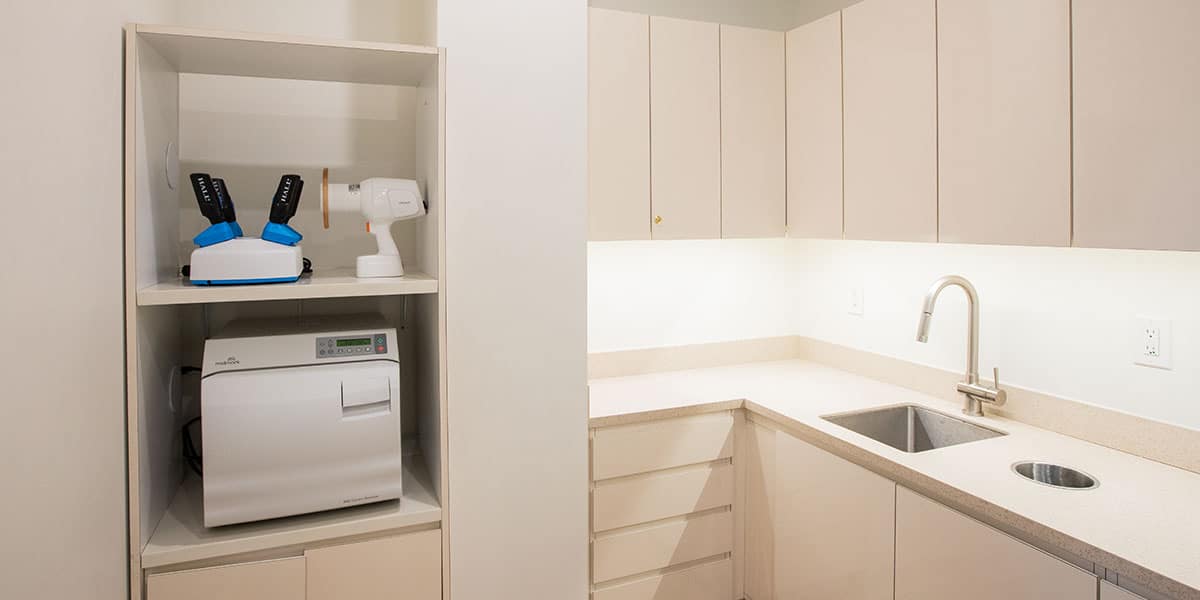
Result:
407,566
710,581
640,550
643,447
648,498
267,580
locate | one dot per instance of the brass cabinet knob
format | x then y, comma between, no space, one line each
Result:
657,219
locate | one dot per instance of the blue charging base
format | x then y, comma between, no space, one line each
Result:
217,233
281,233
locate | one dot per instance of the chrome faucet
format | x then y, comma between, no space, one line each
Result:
975,393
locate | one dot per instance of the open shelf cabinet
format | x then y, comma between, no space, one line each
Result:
206,100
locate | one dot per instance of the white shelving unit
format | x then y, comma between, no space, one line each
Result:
167,318
329,283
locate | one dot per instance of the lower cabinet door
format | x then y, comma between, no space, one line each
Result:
403,567
1109,591
834,526
944,555
281,579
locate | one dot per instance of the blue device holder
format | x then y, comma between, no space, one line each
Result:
281,233
217,233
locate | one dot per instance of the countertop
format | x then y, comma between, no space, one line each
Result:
1141,521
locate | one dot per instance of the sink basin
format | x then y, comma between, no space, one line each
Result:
1055,475
912,428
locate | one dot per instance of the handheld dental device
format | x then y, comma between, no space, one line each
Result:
382,201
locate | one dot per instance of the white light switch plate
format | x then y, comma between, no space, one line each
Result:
1152,343
854,301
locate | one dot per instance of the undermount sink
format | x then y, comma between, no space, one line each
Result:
912,428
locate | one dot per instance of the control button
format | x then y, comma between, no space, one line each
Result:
322,353
379,348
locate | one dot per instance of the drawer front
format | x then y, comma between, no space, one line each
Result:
267,580
409,565
646,549
629,449
640,499
709,581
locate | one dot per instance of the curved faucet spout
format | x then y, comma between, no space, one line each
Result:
972,373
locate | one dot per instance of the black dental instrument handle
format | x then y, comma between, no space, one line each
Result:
295,204
286,195
206,197
225,200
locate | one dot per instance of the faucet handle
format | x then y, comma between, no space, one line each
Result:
1001,396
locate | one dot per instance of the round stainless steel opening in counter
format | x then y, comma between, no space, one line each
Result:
1055,475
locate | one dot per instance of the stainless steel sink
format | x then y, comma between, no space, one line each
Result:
912,428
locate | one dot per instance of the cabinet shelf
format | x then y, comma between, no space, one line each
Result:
328,283
181,536
289,57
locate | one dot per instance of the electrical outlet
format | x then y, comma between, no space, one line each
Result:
1152,343
854,304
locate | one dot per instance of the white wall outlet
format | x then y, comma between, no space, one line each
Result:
854,301
1152,343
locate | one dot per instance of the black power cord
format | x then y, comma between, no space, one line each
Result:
193,458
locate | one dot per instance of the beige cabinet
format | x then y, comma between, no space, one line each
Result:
814,129
890,87
1004,122
1109,591
665,514
685,129
281,579
940,553
618,125
753,133
406,566
1135,124
760,512
834,525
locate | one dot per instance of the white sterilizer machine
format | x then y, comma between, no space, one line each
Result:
299,416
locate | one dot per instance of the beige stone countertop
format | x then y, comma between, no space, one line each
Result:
1141,521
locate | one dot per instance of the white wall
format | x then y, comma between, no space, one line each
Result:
1056,320
649,294
516,106
62,419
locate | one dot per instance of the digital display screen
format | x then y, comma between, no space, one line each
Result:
354,342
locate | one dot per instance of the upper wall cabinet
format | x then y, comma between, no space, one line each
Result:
1137,127
753,133
618,125
685,129
890,86
814,129
1004,121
